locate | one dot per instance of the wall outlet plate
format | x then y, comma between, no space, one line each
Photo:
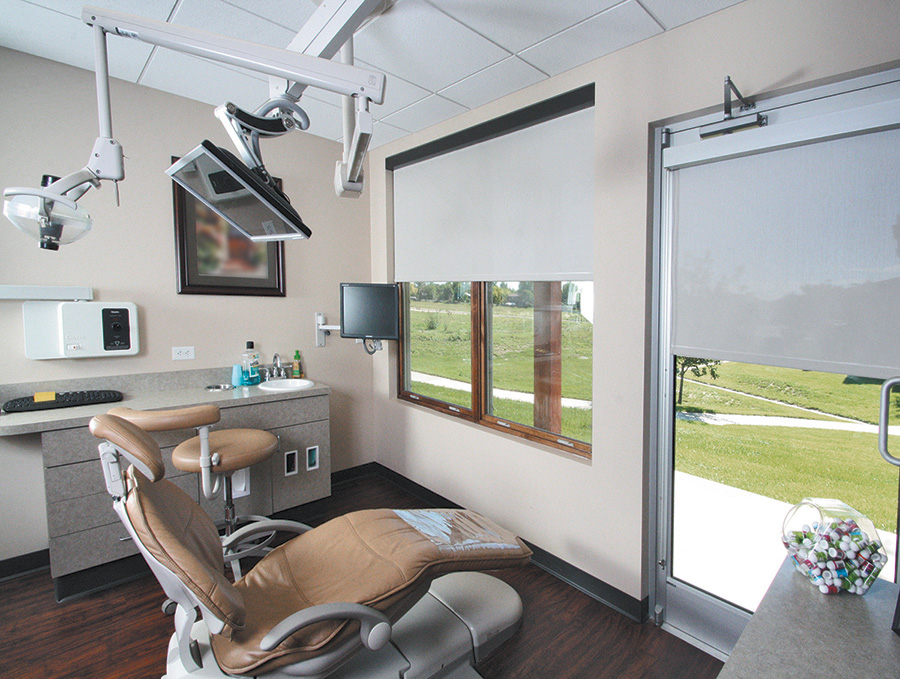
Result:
312,458
182,353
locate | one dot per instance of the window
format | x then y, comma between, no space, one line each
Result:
493,243
514,356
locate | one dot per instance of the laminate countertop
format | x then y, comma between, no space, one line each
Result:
799,632
146,394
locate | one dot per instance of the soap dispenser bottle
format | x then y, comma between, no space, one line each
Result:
250,365
295,365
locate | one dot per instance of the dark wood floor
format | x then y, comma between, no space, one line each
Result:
121,632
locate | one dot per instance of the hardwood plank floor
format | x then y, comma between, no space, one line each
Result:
121,632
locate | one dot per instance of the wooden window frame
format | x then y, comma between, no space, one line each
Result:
547,341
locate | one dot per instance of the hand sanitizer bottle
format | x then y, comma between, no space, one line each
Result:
250,365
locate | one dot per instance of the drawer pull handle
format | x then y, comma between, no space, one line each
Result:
125,539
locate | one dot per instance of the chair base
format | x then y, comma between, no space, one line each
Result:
462,620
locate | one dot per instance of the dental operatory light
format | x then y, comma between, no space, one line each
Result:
240,190
51,214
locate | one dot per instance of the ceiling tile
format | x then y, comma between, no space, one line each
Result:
151,9
517,24
510,75
398,94
671,13
325,120
225,19
422,45
205,81
65,38
291,14
606,32
382,134
424,113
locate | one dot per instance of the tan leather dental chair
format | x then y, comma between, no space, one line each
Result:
367,579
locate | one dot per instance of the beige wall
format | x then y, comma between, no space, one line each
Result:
49,116
591,513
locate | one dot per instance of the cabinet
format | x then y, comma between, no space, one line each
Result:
85,531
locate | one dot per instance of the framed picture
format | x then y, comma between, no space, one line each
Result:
214,258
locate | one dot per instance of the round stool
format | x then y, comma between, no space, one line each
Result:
230,450
215,455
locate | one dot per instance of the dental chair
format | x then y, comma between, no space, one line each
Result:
393,582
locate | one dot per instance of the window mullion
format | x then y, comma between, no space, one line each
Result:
480,347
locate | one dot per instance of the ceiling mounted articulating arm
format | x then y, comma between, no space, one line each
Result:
330,29
731,124
50,214
245,129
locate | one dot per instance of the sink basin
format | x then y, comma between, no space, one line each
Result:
290,384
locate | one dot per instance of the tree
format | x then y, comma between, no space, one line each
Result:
698,367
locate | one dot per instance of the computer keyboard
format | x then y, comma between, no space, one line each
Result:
63,399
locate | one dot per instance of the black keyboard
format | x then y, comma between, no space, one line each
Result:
63,399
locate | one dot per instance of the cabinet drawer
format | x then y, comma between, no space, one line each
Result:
275,413
90,511
84,549
68,481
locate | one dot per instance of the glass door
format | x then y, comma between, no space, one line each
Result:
777,274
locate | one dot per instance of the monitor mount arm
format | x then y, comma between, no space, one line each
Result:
298,70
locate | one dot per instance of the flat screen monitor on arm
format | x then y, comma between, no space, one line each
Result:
234,192
370,311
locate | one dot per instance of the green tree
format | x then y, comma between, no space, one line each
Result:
698,367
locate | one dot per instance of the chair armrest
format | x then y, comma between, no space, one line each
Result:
261,527
374,627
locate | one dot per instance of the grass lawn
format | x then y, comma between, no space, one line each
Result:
857,398
576,422
699,398
789,464
440,345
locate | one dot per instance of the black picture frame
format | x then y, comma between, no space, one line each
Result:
218,259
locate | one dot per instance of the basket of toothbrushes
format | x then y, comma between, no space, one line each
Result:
833,545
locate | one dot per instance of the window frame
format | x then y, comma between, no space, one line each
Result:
480,378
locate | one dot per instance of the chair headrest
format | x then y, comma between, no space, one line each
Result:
167,420
136,444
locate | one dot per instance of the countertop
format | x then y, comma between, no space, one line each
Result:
799,632
159,397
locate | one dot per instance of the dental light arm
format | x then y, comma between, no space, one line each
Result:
51,214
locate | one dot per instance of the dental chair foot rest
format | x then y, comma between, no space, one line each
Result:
462,620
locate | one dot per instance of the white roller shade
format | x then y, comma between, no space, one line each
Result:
792,257
518,207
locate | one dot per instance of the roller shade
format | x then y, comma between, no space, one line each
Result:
791,257
517,207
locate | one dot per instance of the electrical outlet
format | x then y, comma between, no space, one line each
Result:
182,353
290,462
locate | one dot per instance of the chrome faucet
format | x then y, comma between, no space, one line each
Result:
278,370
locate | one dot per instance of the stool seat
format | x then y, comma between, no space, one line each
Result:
236,448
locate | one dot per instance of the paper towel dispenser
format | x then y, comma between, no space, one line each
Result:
80,329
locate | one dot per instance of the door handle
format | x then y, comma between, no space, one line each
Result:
883,420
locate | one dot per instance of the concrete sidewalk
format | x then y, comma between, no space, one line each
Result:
727,541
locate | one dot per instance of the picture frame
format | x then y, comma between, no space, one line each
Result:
214,258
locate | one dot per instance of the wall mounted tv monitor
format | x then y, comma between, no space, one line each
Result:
370,311
230,189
